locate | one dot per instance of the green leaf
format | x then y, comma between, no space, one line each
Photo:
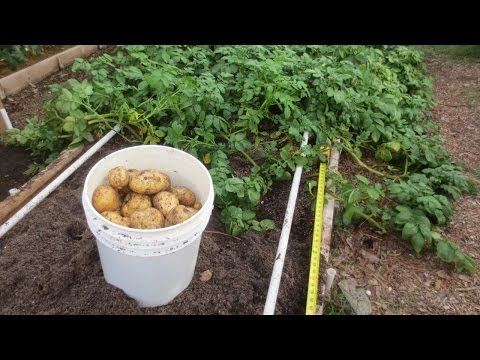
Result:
393,146
233,184
293,131
253,195
383,154
207,158
363,179
425,227
417,242
395,189
248,215
441,219
409,230
267,224
404,215
88,136
275,134
68,125
75,142
449,252
386,216
445,250
354,196
464,262
453,191
312,184
339,96
373,193
376,135
348,214
159,133
430,156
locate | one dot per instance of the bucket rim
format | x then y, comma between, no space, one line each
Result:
204,207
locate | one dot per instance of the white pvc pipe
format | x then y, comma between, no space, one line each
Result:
6,119
331,272
283,242
20,214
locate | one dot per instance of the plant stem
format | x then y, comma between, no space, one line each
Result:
222,233
265,102
190,140
93,119
406,166
133,131
371,220
249,158
241,151
365,166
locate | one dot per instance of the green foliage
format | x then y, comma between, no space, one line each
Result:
251,104
17,54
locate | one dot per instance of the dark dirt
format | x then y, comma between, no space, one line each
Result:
14,162
49,262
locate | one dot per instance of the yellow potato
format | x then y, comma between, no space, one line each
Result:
179,214
149,182
116,217
165,201
118,177
134,202
132,173
126,190
185,195
197,206
106,198
150,218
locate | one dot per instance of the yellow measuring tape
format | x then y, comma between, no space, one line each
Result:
312,293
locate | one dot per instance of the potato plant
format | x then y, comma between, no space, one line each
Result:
253,103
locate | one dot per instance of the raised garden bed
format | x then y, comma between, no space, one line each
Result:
28,103
17,81
47,51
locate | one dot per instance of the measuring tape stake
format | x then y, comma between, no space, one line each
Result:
312,292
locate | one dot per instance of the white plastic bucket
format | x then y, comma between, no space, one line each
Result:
152,266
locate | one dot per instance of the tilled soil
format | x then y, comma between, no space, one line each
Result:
49,262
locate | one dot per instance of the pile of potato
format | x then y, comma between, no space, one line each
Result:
143,199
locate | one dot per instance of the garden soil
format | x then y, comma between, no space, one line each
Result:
49,262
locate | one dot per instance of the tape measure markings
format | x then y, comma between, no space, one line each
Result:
312,292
